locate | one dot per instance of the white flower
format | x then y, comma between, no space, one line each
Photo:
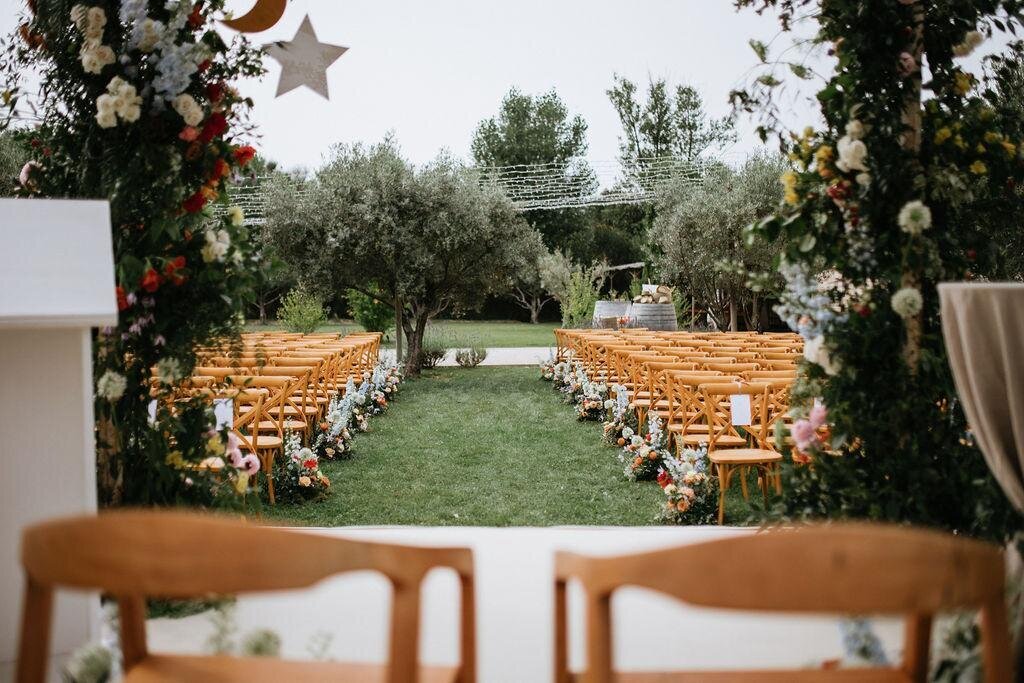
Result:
111,385
609,404
863,179
188,109
852,154
855,129
168,370
815,351
972,40
217,244
131,113
907,302
106,119
151,32
627,432
915,217
236,215
671,489
106,104
96,19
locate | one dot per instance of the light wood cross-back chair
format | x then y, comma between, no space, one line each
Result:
731,452
685,423
658,396
845,569
133,555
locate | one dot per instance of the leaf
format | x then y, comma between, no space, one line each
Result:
808,242
800,71
759,49
768,80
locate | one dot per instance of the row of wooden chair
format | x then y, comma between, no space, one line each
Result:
843,569
279,383
689,383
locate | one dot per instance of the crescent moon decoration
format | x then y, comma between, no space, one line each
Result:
263,15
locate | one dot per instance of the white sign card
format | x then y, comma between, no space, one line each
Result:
739,405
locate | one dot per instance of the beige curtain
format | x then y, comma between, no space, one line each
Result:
983,325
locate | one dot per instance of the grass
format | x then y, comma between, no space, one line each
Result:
483,447
489,333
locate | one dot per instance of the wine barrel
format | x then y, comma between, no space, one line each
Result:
609,309
660,317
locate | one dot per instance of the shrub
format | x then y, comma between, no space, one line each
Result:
578,305
471,356
302,311
372,314
434,349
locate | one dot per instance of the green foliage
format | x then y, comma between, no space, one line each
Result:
699,234
261,643
580,296
472,355
181,270
372,314
302,311
902,450
437,344
13,155
431,238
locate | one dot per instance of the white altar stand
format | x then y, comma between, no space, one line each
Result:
56,283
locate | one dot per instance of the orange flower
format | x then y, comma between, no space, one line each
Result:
621,441
653,455
637,462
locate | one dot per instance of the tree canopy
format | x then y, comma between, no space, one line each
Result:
430,240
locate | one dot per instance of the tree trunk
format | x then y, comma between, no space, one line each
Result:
734,322
535,306
414,336
261,304
398,330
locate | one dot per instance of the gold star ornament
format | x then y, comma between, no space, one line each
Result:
304,61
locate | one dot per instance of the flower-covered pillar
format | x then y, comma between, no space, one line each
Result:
136,105
882,203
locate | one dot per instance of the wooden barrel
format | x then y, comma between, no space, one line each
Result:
609,309
660,317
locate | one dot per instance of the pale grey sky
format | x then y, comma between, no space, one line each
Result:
430,70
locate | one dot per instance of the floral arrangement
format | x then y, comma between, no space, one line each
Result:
590,402
333,437
643,456
297,476
621,415
547,370
135,104
908,183
691,493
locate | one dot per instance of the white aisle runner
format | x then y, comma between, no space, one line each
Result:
515,608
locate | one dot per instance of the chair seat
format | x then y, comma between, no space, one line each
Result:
661,403
264,441
744,456
311,399
724,441
696,428
290,410
220,669
271,425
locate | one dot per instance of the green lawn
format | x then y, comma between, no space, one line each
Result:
484,447
489,333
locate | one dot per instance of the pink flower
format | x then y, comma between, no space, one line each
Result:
907,64
251,464
188,134
25,177
819,414
803,434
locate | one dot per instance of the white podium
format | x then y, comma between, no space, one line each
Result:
56,283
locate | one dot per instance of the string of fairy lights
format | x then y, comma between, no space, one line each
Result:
545,186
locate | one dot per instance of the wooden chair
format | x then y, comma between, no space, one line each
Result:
844,569
133,555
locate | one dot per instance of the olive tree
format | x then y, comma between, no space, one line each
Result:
428,241
698,233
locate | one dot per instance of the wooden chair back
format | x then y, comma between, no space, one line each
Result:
857,569
133,555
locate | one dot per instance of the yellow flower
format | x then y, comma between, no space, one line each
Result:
808,133
986,114
214,446
959,142
963,82
980,149
1011,149
942,134
992,138
788,180
175,460
979,168
242,483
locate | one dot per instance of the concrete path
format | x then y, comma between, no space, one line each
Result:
516,355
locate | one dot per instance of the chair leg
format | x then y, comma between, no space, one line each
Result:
267,458
723,484
743,472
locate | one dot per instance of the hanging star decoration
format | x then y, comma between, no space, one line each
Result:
304,61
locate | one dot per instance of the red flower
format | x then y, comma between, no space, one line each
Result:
195,203
214,91
244,154
122,298
150,281
188,134
215,126
220,169
195,19
171,270
664,479
309,464
204,65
